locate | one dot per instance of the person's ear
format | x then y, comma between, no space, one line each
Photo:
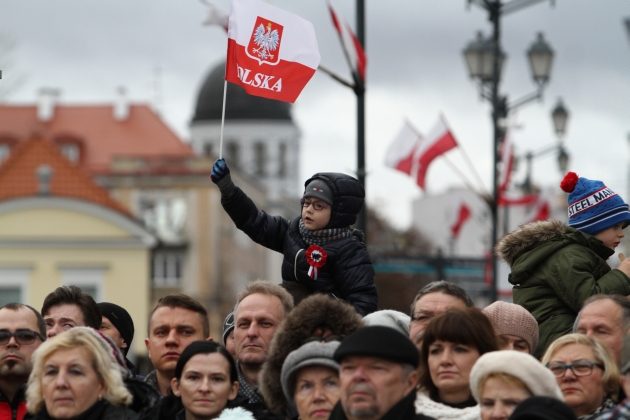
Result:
233,390
175,387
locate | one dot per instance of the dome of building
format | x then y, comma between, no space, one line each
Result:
239,105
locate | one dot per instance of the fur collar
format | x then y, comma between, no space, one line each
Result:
528,236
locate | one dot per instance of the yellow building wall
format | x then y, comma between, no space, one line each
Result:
126,271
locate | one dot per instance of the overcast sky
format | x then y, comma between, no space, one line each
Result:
87,48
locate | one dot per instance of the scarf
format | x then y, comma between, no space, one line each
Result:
323,236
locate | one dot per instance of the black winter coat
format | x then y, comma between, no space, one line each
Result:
347,274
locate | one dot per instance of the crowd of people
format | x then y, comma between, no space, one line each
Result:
315,347
319,359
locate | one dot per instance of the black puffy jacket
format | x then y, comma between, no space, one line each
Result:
347,274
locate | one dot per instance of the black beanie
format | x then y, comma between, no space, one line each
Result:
120,318
379,341
542,408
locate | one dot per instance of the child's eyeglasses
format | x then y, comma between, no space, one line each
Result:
317,205
23,337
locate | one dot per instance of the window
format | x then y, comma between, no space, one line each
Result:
13,283
5,151
259,159
167,268
207,149
233,154
90,280
70,151
282,160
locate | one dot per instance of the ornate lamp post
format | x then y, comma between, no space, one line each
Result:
484,58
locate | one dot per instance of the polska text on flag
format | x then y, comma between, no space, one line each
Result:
271,53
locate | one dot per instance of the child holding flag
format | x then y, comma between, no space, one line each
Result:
556,267
322,252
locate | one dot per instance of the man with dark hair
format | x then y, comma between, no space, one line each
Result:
434,299
607,318
68,307
176,321
22,330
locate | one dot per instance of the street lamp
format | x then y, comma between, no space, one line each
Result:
484,59
559,117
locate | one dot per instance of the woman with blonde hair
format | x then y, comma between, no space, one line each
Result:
586,373
501,380
76,376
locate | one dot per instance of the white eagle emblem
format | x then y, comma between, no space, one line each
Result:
265,41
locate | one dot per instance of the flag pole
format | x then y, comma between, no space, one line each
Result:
222,120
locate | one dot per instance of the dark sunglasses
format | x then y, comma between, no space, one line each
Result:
23,337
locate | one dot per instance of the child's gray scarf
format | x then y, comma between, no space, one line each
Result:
323,236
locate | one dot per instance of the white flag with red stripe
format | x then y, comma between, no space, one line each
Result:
401,152
439,141
271,53
507,163
350,43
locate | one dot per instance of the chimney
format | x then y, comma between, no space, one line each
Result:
47,99
44,176
121,106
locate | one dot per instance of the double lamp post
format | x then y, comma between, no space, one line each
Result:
485,58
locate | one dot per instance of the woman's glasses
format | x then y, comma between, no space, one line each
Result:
22,336
580,367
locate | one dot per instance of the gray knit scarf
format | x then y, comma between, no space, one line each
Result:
323,236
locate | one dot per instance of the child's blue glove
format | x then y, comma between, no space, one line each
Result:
219,170
220,175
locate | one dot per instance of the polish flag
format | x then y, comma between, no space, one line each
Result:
439,141
353,49
271,53
400,154
506,199
507,163
462,216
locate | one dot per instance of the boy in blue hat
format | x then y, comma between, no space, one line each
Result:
322,252
556,267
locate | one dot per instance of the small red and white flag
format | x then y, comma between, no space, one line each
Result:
401,152
512,199
271,53
351,45
439,141
462,217
507,163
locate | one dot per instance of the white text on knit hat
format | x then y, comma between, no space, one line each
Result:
590,201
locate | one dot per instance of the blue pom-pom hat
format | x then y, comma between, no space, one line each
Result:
593,207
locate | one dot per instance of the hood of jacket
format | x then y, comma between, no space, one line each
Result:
315,311
348,197
529,246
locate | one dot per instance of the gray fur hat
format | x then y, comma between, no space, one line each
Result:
314,353
389,318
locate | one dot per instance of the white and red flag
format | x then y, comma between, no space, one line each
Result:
351,45
439,141
462,217
507,163
271,53
400,154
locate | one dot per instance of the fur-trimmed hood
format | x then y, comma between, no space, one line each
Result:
315,311
529,236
